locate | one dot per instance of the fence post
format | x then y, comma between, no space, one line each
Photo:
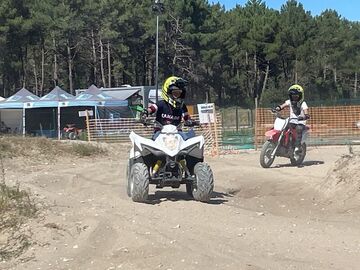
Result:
88,126
237,119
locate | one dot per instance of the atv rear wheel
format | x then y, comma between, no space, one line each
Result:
265,156
128,189
296,160
189,189
139,182
203,187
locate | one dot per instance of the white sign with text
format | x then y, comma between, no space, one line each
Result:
206,113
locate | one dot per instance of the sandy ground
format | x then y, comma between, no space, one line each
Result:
276,218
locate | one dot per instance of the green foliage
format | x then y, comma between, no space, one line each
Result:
229,57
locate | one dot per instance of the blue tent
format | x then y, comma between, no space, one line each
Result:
93,96
54,100
19,100
17,104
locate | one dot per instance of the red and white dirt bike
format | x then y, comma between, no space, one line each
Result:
280,142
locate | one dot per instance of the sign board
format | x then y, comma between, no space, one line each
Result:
206,113
83,113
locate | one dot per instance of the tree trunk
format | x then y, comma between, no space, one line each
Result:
355,84
255,81
94,60
265,79
335,75
35,74
296,70
24,64
70,68
55,64
42,70
102,63
109,63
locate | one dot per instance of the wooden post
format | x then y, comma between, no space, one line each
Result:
88,126
216,135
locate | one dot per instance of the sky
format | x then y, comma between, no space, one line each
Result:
349,9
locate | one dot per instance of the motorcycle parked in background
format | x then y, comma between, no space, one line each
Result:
280,142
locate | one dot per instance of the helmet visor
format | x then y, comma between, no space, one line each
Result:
295,97
176,92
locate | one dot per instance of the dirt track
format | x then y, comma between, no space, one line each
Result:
257,219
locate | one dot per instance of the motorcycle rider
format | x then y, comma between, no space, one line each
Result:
172,108
298,112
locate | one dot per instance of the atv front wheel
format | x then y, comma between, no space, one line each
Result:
139,182
204,184
265,156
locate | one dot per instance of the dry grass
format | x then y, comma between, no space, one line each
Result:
17,205
37,148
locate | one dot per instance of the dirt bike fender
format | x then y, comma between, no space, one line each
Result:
271,134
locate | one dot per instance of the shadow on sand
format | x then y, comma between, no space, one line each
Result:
163,196
304,164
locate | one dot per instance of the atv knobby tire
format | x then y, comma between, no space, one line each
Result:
202,189
265,156
139,182
128,184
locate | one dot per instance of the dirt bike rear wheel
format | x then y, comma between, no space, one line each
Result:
296,161
265,156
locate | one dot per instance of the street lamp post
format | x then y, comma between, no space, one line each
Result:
158,8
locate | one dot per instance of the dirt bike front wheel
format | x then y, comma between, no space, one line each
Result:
265,156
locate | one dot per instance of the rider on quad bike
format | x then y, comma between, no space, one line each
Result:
298,112
172,108
172,157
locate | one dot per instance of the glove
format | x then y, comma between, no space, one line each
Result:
144,115
276,109
189,123
301,118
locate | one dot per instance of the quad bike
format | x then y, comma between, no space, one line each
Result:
169,160
280,142
71,132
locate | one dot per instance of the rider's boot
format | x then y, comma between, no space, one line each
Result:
156,168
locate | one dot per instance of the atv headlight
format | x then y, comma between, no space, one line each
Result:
171,142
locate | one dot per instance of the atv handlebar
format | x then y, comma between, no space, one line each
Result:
154,123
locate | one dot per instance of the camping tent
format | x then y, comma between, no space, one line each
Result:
12,109
44,118
105,105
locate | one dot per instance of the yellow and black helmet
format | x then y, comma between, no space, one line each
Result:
171,83
296,94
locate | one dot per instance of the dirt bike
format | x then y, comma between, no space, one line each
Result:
280,142
170,159
70,132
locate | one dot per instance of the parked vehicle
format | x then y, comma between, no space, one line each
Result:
280,142
71,132
173,158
